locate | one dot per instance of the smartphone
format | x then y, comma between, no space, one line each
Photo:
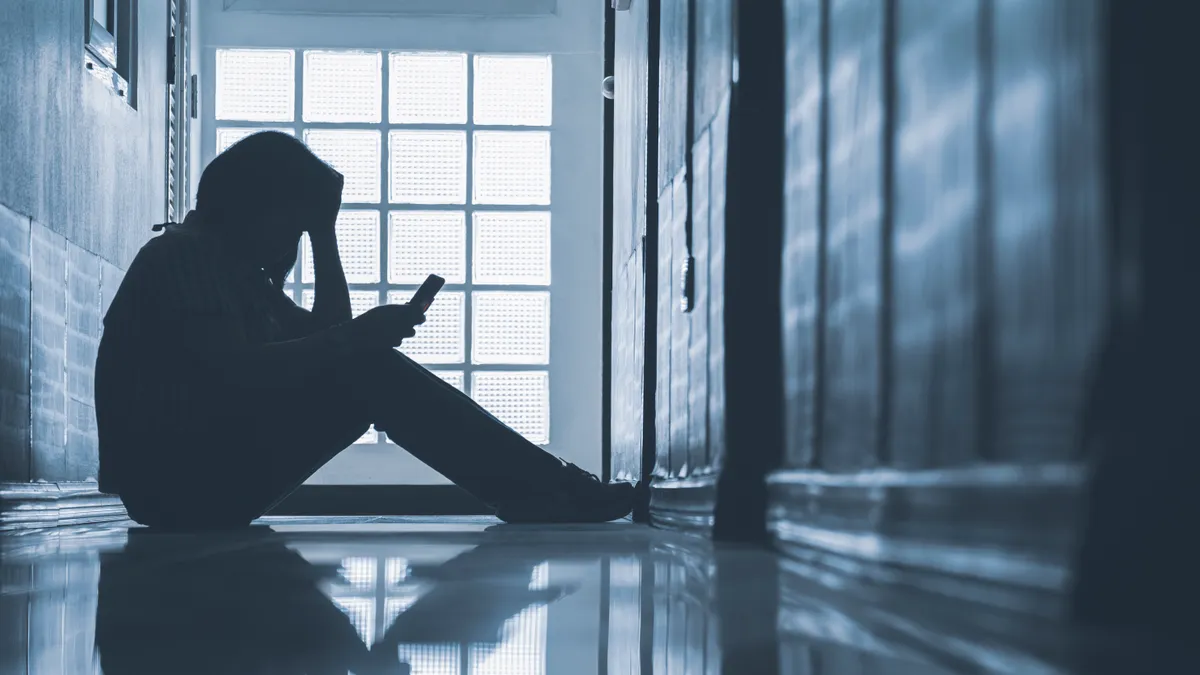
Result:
423,298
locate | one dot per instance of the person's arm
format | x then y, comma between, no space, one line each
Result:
332,303
213,343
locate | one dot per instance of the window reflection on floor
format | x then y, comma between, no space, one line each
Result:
625,616
523,647
372,608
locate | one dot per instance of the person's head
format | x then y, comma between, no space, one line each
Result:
265,191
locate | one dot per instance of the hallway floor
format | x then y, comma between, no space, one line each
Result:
443,597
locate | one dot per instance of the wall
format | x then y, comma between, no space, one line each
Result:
671,207
574,35
670,136
693,139
81,181
945,285
635,149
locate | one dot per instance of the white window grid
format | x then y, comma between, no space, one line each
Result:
373,591
478,371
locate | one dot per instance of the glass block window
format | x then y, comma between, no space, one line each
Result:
512,167
512,89
342,86
520,399
427,167
227,136
511,327
447,165
427,88
512,248
355,154
427,242
256,85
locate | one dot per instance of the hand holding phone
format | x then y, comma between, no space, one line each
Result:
423,298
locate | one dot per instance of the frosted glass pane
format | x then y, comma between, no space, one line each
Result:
227,136
256,85
512,167
454,377
355,154
510,327
427,88
440,338
421,243
519,399
360,301
512,248
358,247
513,89
428,167
361,612
343,86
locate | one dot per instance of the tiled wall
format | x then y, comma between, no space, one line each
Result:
14,345
55,294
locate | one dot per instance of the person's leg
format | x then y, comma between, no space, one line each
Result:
243,450
263,444
454,435
450,432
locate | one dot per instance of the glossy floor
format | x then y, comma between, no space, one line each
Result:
450,596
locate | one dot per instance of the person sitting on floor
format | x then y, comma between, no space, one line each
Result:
216,395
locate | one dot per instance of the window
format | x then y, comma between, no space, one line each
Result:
446,157
110,54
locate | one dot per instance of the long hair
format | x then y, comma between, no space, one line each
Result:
265,173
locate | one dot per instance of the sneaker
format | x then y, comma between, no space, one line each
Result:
578,497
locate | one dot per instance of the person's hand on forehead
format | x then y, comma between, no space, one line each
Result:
328,204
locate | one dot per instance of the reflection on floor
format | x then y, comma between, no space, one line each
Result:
449,597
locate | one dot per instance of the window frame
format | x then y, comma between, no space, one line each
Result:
111,47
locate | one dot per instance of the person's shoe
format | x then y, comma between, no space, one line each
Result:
574,497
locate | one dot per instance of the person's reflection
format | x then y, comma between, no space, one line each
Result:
246,603
241,603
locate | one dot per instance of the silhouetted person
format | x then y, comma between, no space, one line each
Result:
216,395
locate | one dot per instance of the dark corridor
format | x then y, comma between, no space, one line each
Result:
897,348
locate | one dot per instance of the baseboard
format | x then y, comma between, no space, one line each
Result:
42,505
1002,536
380,500
686,504
828,611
